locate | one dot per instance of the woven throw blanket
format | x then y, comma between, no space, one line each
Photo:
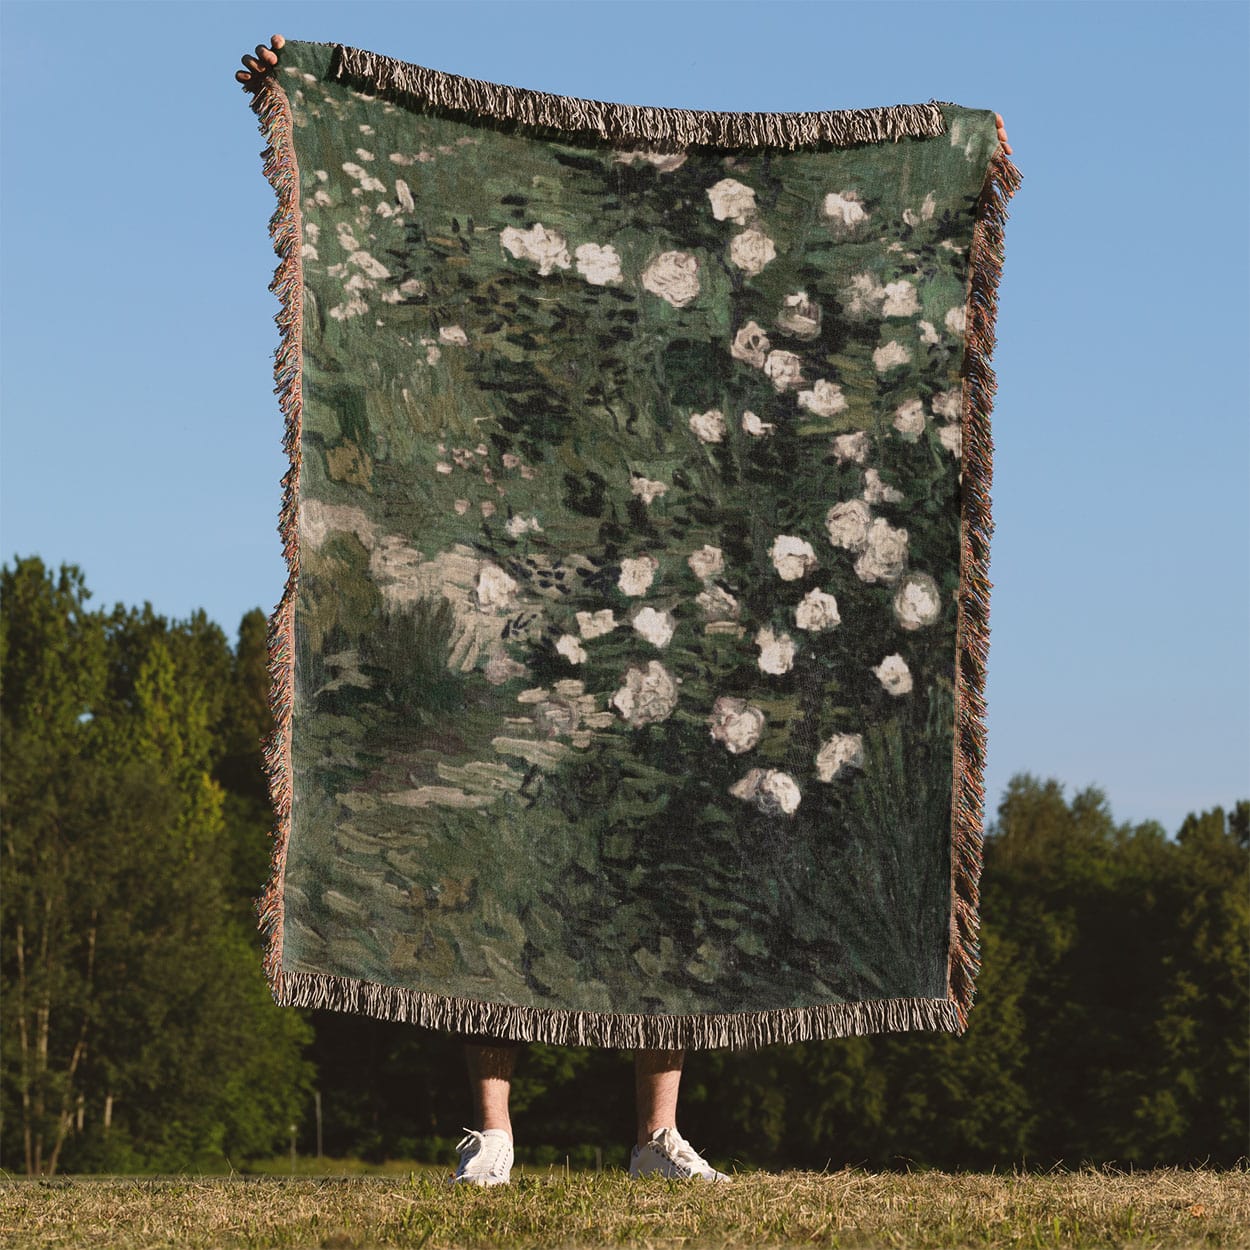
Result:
628,675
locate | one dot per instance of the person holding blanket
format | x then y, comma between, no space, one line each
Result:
487,1150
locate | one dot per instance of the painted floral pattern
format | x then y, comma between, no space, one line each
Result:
629,542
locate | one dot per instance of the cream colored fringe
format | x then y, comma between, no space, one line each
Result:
735,1030
661,128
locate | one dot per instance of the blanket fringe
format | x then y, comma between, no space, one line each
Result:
285,229
973,629
659,128
734,1031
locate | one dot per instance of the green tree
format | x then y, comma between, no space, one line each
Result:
1197,1106
52,674
139,1031
1135,950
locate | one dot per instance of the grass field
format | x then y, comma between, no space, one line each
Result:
850,1208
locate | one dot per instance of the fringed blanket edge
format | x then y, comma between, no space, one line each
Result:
659,127
972,634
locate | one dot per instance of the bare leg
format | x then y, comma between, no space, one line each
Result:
657,1075
490,1080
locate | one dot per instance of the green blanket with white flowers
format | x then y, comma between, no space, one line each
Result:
628,677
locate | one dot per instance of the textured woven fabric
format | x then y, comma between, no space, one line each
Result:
628,676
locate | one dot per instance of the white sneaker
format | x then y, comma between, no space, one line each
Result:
485,1158
668,1153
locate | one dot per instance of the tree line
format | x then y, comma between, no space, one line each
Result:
1112,1021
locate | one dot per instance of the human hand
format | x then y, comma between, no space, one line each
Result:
258,66
998,117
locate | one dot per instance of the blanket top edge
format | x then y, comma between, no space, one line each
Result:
662,128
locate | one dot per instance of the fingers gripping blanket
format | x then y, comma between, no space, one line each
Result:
628,674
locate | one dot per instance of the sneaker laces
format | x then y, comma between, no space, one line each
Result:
680,1151
473,1138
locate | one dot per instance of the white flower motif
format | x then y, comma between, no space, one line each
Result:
736,723
894,675
732,201
751,251
369,265
648,695
951,437
717,604
646,489
453,335
495,589
792,557
965,137
948,404
367,181
864,297
663,162
852,447
594,624
848,523
799,316
518,525
927,210
754,426
838,755
548,249
770,789
845,208
637,574
557,716
876,491
784,369
957,321
916,601
780,789
572,650
600,266
928,335
501,667
656,627
824,399
394,564
673,276
900,300
354,307
909,420
750,344
776,651
817,611
893,353
885,556
706,562
709,426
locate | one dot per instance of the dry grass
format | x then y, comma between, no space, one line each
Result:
1166,1207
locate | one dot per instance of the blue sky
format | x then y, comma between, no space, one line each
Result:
141,437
